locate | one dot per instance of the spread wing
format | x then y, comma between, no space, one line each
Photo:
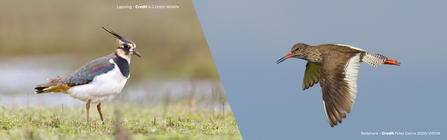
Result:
86,73
312,75
338,84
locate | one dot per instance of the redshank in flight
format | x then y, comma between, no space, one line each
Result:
336,67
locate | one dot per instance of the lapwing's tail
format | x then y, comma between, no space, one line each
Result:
51,86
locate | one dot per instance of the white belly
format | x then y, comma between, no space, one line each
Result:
102,88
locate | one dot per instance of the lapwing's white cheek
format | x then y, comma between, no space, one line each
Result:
132,47
120,52
124,54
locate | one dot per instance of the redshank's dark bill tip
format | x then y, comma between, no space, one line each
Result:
284,58
280,60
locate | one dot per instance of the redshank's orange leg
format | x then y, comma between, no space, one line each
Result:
100,114
392,62
87,106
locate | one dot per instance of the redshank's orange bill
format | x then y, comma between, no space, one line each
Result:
392,62
284,58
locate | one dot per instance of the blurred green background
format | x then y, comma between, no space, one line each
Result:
171,41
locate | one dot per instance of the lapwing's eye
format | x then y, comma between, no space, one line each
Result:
126,46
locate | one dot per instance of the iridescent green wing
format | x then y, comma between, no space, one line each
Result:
86,73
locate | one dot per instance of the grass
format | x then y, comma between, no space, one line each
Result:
175,121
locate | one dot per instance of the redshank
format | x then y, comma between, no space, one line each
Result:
336,67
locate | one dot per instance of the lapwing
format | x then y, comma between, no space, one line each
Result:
99,80
336,67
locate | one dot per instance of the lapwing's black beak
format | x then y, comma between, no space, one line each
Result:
136,53
284,58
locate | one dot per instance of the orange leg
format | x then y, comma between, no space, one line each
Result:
87,107
392,62
100,114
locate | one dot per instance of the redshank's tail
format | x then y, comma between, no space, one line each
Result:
374,59
391,62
